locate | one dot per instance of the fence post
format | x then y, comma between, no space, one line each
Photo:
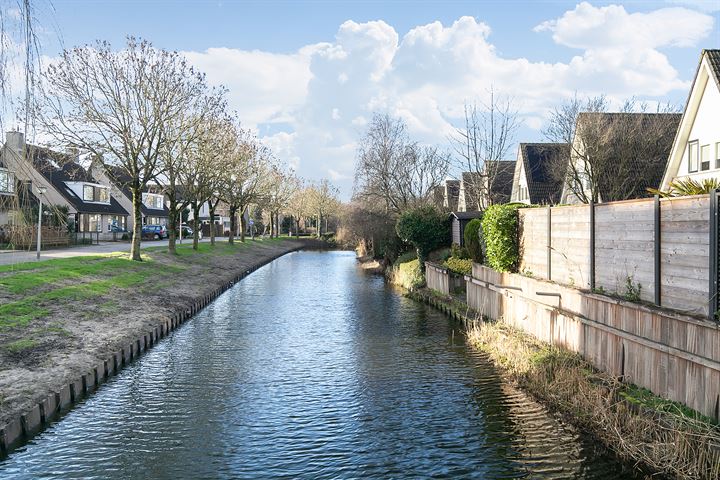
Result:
549,242
658,241
713,255
592,245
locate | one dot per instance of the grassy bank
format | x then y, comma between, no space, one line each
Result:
662,435
59,318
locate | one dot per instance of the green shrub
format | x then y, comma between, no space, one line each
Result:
463,266
405,257
425,228
408,275
472,239
500,233
458,252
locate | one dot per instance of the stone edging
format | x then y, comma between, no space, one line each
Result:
24,426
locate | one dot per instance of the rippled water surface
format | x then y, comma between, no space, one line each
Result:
310,369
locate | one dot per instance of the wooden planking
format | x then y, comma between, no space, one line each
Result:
670,354
624,247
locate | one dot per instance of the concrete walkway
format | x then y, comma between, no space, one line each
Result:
9,257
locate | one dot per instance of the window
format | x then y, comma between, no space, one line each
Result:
153,201
116,223
705,157
7,181
103,195
717,155
693,156
88,193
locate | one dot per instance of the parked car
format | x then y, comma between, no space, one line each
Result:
157,232
187,232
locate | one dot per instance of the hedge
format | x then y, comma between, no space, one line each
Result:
500,232
472,240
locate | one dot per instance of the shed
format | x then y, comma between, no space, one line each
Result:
459,221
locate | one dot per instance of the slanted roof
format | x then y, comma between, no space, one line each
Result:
644,173
539,159
59,168
713,58
121,179
502,181
466,215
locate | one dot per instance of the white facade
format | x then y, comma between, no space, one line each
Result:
520,191
696,150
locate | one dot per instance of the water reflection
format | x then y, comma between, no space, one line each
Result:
310,369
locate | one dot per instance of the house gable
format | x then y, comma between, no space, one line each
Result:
699,126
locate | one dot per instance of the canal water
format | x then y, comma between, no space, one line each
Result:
310,369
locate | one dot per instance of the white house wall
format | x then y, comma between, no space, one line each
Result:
705,129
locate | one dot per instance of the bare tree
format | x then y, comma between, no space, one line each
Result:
482,142
323,202
613,155
281,187
115,105
183,134
244,179
298,206
393,169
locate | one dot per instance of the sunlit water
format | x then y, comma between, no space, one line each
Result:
310,369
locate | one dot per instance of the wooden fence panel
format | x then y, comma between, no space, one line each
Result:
675,356
437,278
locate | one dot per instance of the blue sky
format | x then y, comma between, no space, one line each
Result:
308,75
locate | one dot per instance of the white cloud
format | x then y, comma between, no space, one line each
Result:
590,27
325,93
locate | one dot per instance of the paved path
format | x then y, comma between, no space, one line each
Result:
18,256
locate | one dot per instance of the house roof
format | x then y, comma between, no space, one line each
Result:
544,188
466,215
644,173
502,181
713,57
59,168
122,180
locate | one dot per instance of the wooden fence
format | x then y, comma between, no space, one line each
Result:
675,356
437,278
656,249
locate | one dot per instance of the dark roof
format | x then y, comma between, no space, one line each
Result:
539,159
59,168
122,180
466,215
713,57
644,170
501,187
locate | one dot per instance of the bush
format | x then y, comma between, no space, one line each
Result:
408,275
425,228
472,239
459,252
500,234
125,237
405,257
463,266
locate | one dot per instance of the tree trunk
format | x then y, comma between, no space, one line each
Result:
196,224
212,224
137,223
242,223
297,227
172,224
319,225
233,225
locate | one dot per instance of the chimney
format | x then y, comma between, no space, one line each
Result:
15,141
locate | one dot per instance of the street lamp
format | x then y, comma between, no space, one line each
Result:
41,191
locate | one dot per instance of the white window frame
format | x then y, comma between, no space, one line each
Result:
9,179
696,145
92,193
705,158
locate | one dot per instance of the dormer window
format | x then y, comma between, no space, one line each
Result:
154,201
96,193
7,182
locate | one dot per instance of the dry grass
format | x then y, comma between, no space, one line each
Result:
666,440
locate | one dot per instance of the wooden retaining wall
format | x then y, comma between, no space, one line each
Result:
675,356
624,249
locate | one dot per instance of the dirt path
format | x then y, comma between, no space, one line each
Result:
76,336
